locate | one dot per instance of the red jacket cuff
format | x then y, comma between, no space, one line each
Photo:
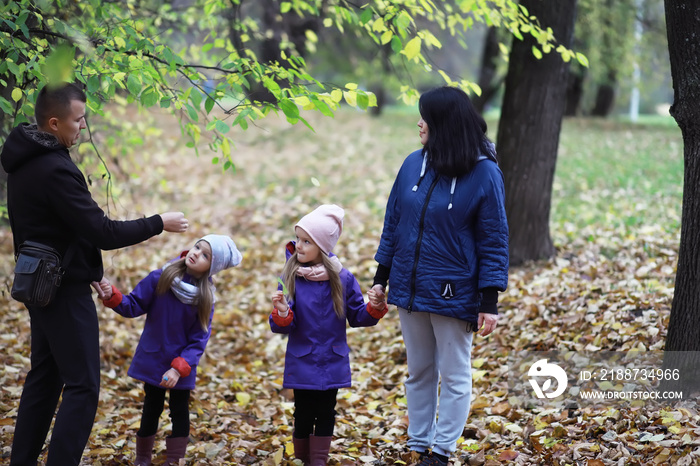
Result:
115,300
375,313
282,321
180,365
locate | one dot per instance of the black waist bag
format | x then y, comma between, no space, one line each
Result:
38,274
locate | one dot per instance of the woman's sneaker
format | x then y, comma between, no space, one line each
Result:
429,459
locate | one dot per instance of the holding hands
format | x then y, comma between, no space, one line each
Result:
377,297
103,288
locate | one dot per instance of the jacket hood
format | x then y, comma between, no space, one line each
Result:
25,143
490,155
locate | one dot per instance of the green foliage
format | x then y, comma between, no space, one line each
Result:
205,69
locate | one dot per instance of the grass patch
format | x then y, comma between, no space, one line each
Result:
618,175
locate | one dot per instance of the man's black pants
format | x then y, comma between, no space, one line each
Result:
65,359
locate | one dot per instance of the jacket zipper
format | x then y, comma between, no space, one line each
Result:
419,240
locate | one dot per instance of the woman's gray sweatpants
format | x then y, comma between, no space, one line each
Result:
438,349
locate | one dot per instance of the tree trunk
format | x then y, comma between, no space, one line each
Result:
528,131
487,74
279,27
605,97
684,53
574,92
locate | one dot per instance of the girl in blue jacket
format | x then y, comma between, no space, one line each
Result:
321,296
178,301
444,254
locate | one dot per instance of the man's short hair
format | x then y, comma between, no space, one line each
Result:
54,101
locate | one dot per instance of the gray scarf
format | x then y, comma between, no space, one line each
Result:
187,293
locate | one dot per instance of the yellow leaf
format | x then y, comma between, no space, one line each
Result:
278,455
386,37
412,48
242,398
336,95
350,98
16,94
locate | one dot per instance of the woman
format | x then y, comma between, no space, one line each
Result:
444,252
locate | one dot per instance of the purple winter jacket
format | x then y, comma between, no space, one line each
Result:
318,356
172,330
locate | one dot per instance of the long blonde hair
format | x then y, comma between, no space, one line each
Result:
206,296
289,274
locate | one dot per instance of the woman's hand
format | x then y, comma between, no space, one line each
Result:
170,378
487,323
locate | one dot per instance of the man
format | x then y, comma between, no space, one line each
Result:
49,202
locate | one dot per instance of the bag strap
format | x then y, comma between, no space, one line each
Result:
67,257
70,252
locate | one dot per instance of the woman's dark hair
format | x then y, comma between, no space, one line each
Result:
54,101
456,131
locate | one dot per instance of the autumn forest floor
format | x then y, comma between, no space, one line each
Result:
615,223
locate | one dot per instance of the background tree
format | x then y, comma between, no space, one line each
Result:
684,51
131,49
491,78
529,127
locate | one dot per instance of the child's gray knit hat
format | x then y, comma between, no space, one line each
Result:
224,253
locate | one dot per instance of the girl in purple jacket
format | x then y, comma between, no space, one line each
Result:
321,296
178,301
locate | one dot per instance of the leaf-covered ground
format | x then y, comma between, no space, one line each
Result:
609,288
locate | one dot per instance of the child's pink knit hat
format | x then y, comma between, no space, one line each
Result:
324,225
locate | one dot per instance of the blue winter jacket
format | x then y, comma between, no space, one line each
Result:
445,241
172,330
318,356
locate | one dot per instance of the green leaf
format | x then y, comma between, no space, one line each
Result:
5,106
396,45
289,108
536,52
209,105
581,58
133,84
284,288
366,15
93,83
403,21
196,98
149,98
191,112
285,7
362,100
323,108
222,127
